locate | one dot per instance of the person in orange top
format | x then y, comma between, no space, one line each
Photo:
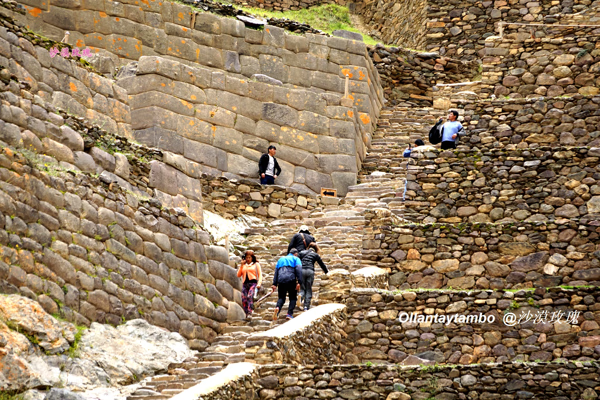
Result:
251,275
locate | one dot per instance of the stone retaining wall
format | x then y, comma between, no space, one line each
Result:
222,125
62,82
233,198
375,333
381,382
316,336
177,31
395,23
537,185
521,123
213,114
544,61
459,29
408,75
483,382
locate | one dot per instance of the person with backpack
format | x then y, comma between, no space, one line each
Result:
301,240
309,257
287,278
448,133
251,275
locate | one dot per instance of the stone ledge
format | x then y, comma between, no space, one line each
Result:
299,323
232,373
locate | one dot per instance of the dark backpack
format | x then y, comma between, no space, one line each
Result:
435,134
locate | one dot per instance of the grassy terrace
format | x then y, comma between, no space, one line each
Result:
326,17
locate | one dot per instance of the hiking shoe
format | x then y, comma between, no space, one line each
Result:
305,308
289,316
275,314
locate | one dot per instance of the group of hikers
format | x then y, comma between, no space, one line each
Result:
296,271
447,133
293,272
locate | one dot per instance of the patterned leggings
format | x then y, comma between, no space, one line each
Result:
248,296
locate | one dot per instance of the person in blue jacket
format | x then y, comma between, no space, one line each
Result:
287,278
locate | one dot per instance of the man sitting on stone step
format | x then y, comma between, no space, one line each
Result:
268,167
288,274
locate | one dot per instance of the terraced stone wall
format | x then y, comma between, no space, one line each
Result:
408,75
232,199
375,333
84,232
214,115
315,336
95,253
483,382
537,185
395,23
543,61
62,82
562,121
459,29
224,124
496,256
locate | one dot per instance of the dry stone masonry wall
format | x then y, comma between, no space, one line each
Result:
315,336
537,185
375,333
543,61
459,29
522,123
496,256
215,115
482,382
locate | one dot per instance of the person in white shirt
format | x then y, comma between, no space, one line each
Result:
268,167
452,129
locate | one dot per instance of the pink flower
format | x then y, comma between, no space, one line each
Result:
75,52
53,52
65,52
86,52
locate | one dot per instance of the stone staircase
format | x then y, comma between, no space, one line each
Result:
339,230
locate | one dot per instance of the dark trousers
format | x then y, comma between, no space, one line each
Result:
287,289
267,180
308,277
448,145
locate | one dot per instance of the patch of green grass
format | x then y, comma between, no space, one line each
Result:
326,17
73,351
11,396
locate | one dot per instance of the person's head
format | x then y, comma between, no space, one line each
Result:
249,257
419,142
313,246
294,252
272,150
304,229
453,116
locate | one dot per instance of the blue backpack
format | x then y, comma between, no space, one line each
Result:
407,152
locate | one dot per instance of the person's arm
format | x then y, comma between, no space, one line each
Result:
298,272
240,271
322,264
262,166
275,275
461,131
259,271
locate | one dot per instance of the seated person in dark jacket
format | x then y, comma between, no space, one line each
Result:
268,167
301,240
309,257
288,274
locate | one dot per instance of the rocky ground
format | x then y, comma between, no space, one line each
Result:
39,352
